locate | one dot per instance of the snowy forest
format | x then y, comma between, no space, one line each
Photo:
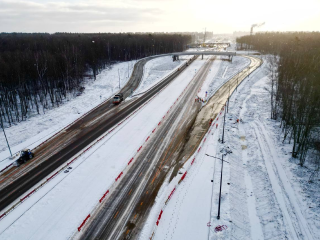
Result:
40,69
294,70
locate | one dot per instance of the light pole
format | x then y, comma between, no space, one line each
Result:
224,121
228,99
218,217
5,134
219,205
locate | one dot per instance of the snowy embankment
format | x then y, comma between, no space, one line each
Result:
57,209
265,194
38,128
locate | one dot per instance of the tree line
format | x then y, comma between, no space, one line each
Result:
294,67
39,70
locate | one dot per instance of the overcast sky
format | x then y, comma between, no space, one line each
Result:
158,15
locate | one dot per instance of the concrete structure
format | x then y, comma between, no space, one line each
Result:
176,55
194,45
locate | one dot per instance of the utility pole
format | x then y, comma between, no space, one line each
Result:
228,100
212,190
224,122
5,134
218,217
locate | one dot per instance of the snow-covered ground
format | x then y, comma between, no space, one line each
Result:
58,208
157,69
38,128
265,194
220,73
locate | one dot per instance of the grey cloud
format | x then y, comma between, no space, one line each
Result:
27,13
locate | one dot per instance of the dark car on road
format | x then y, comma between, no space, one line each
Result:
24,156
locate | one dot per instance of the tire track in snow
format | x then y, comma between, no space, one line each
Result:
279,189
288,196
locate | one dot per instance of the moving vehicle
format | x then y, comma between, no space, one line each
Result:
118,98
24,155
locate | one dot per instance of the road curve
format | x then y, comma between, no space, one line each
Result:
73,139
123,214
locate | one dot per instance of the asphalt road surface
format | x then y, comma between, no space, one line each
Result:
69,142
123,214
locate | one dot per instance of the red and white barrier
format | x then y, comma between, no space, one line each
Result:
132,159
119,176
75,158
84,221
183,177
159,217
10,165
103,196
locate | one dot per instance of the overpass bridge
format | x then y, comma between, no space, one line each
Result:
176,55
194,45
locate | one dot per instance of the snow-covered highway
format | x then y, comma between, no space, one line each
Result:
86,181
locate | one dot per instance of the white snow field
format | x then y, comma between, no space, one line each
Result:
38,128
265,194
220,73
157,69
58,208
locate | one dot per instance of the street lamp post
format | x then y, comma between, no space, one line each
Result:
228,99
218,217
5,134
224,122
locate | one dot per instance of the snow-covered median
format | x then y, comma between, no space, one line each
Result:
157,69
